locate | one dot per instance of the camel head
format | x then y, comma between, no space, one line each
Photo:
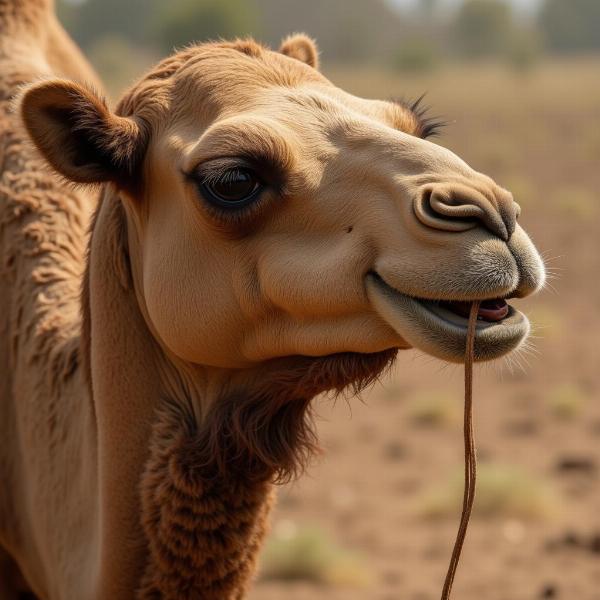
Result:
271,214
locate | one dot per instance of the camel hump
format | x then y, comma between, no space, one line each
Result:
17,15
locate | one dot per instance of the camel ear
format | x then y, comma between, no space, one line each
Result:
78,135
301,47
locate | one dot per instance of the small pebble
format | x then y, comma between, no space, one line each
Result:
577,464
549,591
571,539
595,544
522,427
394,451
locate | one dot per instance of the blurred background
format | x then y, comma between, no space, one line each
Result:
519,84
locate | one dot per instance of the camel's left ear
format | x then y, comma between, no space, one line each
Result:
78,135
301,47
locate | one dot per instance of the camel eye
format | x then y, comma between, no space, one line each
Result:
233,188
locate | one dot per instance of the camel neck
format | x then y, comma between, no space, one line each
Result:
24,15
201,516
204,528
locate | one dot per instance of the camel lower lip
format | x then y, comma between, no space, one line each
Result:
432,327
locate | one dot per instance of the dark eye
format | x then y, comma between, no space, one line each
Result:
233,188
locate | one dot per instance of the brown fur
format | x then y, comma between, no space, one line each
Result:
244,444
206,490
111,145
42,240
268,435
203,531
144,424
27,15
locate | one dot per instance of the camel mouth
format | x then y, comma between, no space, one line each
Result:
492,310
439,327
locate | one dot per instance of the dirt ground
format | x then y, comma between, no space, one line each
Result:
392,462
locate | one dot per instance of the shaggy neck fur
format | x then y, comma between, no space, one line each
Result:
201,524
209,462
166,469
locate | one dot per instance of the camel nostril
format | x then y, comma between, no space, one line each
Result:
454,208
459,208
440,211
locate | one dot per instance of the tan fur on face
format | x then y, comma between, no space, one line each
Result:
344,161
139,448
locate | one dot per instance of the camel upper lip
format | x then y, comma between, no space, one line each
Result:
431,326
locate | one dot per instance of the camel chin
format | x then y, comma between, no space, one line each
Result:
428,326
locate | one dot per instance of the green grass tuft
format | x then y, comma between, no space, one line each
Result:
502,490
567,401
307,554
434,409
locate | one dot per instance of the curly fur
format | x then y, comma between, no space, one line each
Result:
206,490
204,494
203,531
145,422
153,496
24,14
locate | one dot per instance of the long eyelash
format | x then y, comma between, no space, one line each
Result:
264,167
428,126
237,218
214,173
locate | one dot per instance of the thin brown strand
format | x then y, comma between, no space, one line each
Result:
470,456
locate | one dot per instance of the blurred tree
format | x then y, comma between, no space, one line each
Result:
419,51
571,25
106,54
416,55
346,30
428,9
483,27
525,50
179,22
68,14
91,20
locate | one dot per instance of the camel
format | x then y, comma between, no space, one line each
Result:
257,236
